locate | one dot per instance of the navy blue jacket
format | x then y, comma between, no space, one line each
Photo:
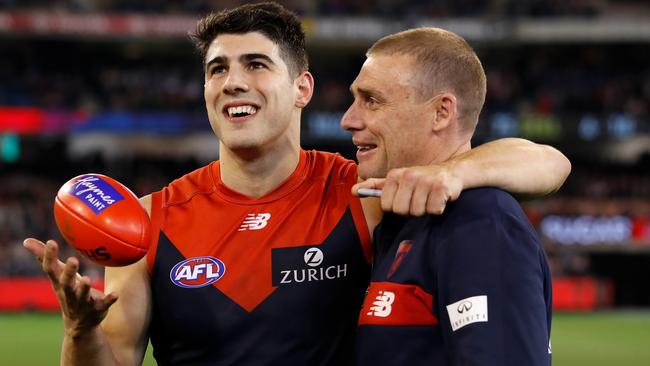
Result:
470,287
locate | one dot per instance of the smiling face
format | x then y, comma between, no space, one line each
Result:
388,119
251,100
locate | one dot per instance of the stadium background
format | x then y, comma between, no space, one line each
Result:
114,86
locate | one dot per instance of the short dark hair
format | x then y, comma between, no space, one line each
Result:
446,63
271,19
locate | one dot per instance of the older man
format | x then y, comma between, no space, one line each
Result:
468,287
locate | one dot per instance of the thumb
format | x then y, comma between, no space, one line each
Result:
372,183
36,247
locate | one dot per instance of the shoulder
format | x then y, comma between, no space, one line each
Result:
331,166
487,215
324,160
482,203
201,180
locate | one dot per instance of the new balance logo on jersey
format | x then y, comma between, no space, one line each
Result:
255,221
382,306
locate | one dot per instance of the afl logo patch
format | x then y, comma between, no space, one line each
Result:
197,272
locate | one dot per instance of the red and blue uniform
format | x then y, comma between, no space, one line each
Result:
469,287
277,280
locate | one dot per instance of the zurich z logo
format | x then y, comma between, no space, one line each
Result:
197,272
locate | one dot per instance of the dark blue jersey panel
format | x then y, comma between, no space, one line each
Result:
486,271
309,320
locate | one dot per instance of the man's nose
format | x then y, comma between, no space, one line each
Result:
351,120
235,82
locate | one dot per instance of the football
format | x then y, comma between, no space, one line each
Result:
102,219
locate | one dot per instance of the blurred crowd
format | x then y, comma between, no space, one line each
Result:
99,77
569,79
25,210
380,8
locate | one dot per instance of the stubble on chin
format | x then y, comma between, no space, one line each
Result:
367,171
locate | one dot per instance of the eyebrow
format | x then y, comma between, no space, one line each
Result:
243,58
367,93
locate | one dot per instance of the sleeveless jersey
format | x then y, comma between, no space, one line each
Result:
277,280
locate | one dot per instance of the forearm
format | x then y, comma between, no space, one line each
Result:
87,348
515,165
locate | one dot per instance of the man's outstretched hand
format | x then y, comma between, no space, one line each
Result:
83,307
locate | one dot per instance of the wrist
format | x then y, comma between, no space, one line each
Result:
457,171
78,332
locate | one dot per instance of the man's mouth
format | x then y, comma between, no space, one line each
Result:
364,148
240,111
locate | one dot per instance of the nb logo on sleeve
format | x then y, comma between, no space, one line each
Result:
382,306
255,221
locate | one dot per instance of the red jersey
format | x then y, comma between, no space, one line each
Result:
277,280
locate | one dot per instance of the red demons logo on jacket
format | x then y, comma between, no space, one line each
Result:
197,272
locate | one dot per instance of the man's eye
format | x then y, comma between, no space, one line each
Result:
216,70
257,65
371,102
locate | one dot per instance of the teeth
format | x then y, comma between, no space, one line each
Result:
365,147
242,109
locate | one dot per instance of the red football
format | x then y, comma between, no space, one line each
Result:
102,219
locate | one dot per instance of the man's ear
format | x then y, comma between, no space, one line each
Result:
304,89
444,111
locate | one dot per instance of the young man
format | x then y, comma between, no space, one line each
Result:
288,246
470,286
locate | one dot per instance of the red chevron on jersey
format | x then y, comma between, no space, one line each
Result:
389,303
202,217
403,249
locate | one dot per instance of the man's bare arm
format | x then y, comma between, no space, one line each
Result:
127,323
519,166
516,165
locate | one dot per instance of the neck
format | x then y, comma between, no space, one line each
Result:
455,144
462,147
256,172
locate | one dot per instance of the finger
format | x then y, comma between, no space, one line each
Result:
402,200
369,192
404,193
436,203
390,189
102,304
83,288
69,277
51,264
371,183
419,200
36,247
388,196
